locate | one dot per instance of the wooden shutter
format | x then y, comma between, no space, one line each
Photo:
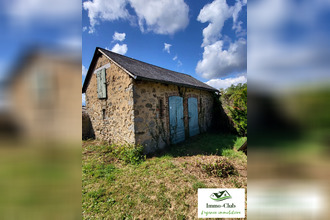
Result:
101,84
98,78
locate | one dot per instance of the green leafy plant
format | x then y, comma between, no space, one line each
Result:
130,154
234,101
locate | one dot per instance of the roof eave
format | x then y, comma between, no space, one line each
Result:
89,74
129,73
89,71
178,84
98,52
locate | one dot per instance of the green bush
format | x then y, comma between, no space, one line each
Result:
221,168
234,100
130,154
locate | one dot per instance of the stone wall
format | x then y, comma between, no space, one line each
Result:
45,98
152,112
87,129
137,112
112,118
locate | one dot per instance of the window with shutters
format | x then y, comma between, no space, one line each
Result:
101,84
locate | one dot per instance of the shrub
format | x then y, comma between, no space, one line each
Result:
221,168
130,154
234,100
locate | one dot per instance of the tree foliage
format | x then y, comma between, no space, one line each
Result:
234,101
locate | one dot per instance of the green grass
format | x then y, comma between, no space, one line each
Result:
210,144
160,187
40,182
207,144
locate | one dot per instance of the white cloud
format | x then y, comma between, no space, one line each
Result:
83,99
237,25
41,11
83,71
121,49
84,29
225,83
119,36
238,28
216,13
161,17
167,47
237,8
105,10
276,64
175,58
73,42
219,62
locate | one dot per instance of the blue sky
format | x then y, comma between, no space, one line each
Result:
42,23
205,39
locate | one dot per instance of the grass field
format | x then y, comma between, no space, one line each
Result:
164,186
40,181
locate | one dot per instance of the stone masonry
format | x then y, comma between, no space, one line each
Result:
151,111
137,112
112,118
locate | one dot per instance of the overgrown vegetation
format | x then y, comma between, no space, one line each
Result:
234,102
120,183
130,154
220,168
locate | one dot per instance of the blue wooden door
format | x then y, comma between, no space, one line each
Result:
193,116
176,119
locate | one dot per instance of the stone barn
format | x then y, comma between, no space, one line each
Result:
130,101
43,93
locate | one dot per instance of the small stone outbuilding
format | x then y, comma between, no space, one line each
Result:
42,95
130,101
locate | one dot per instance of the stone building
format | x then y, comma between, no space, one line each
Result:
130,101
43,95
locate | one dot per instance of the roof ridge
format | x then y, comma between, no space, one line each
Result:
146,71
144,62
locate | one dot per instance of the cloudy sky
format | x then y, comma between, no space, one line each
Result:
28,23
205,39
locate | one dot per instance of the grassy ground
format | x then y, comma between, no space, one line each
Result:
40,182
164,186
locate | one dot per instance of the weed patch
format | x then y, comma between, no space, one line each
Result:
130,154
220,168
